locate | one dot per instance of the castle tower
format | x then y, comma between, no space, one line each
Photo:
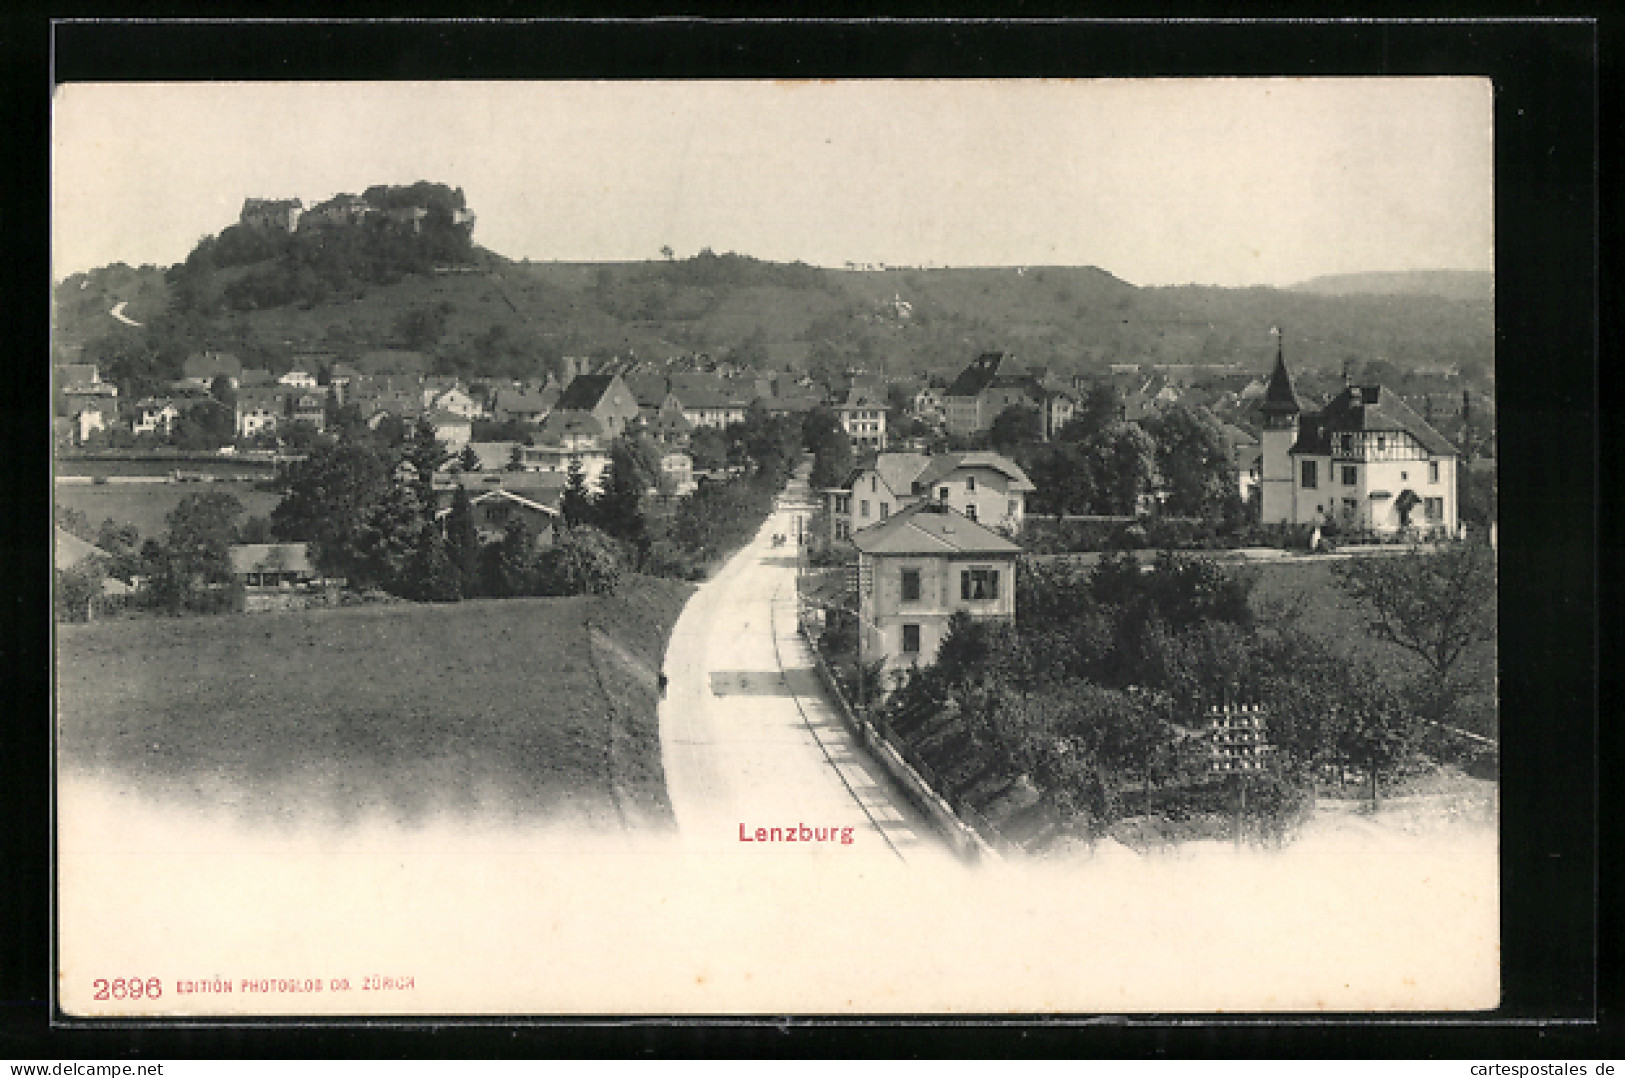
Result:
1281,411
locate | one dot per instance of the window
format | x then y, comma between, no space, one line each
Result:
1382,442
1433,509
1351,475
970,512
1433,471
1012,508
970,484
1310,479
976,585
942,495
873,486
885,510
911,640
1348,443
911,585
863,509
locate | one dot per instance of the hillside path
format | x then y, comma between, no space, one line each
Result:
747,735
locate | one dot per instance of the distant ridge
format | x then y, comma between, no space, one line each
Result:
1476,285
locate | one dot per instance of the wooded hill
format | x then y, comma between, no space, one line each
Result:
489,315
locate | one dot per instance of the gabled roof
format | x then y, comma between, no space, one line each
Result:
511,399
978,376
72,374
443,419
926,528
897,470
1366,408
584,392
271,558
212,365
72,550
561,424
946,464
502,495
864,397
648,389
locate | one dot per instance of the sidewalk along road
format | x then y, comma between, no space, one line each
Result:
748,737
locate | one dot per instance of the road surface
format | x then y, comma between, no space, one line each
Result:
749,739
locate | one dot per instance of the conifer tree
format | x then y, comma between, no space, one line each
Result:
463,544
576,503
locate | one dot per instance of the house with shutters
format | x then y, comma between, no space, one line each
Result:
1365,462
712,401
863,417
918,569
985,487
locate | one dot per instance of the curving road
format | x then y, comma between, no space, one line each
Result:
748,737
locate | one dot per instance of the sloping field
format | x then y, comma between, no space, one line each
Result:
1329,613
500,707
146,505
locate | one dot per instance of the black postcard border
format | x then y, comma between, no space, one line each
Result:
1549,327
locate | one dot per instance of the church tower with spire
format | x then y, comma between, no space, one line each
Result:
1281,411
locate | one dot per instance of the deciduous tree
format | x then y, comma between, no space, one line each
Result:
1435,605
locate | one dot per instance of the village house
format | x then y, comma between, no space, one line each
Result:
298,378
74,375
260,410
676,473
710,401
340,376
669,425
926,405
916,571
202,368
155,415
457,401
1366,462
985,487
604,397
80,386
988,386
1246,458
494,510
271,565
451,430
309,408
863,417
94,418
519,404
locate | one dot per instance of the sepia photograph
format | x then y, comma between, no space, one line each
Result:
850,547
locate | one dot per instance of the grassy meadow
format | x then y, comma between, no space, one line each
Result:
1326,611
145,505
521,708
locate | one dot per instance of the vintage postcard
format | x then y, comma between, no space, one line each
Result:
730,548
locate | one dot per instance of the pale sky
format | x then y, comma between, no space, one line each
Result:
1209,181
